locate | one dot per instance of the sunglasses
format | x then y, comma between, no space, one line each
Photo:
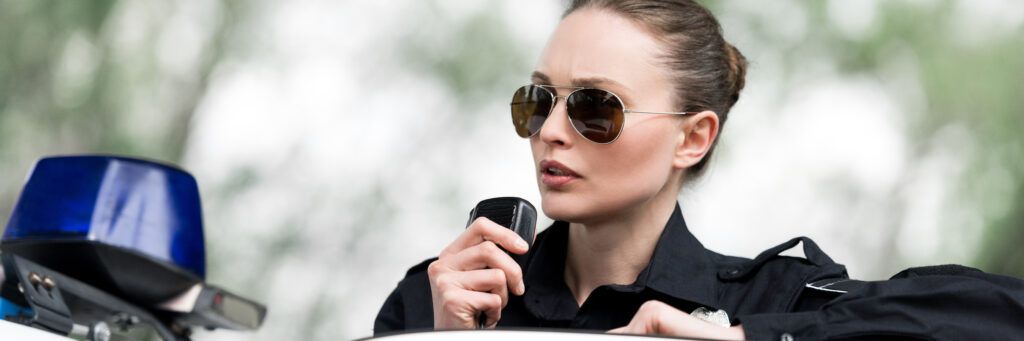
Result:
596,114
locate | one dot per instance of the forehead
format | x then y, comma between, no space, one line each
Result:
592,43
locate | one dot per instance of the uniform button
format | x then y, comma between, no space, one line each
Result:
734,272
786,337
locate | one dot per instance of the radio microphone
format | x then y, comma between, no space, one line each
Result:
514,213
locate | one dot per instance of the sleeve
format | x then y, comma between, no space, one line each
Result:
391,317
965,306
409,306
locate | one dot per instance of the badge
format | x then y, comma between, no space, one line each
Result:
717,317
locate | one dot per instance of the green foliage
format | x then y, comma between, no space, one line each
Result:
474,57
966,79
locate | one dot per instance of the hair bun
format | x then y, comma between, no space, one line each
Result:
737,72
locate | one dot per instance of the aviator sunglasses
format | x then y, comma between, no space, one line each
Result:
596,114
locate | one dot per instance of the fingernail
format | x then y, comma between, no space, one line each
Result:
522,244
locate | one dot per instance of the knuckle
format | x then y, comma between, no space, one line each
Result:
498,275
489,248
449,301
494,301
489,245
479,225
435,269
651,306
503,294
516,272
503,299
443,281
449,306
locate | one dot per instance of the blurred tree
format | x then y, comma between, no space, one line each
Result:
967,81
120,77
968,74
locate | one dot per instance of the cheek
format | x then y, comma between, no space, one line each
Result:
638,164
537,147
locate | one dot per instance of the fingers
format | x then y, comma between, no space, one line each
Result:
483,229
621,330
655,317
645,321
473,275
464,306
489,304
636,326
484,280
488,255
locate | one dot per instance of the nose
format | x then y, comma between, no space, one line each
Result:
557,131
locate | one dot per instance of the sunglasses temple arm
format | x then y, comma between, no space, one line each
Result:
628,111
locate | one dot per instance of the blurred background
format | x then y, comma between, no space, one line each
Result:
337,143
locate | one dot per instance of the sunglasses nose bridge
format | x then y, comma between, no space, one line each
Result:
559,100
555,99
557,128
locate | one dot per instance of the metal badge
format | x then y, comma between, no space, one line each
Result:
717,317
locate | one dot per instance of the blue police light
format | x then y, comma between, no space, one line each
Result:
94,239
140,220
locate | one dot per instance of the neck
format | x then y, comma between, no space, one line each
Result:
616,250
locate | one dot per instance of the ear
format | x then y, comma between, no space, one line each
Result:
696,138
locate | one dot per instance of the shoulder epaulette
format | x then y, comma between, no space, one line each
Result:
811,252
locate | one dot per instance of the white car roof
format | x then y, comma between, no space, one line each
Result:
14,331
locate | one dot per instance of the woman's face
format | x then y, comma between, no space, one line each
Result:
597,48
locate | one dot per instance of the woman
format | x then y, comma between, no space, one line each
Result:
625,106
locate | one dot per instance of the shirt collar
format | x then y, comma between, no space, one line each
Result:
680,267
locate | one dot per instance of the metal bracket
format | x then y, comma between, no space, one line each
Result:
44,290
40,292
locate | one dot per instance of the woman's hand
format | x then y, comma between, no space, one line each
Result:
472,276
655,317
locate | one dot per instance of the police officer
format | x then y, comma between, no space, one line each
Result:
624,107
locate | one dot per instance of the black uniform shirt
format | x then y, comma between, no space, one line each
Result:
774,297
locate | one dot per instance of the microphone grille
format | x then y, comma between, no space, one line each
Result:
501,212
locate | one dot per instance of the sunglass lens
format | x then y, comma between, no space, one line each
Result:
530,107
596,114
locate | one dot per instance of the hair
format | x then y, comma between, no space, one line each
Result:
708,72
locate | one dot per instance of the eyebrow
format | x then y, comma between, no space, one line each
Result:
588,82
541,78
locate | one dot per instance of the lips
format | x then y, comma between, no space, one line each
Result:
556,175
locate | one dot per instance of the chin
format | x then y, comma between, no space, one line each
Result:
564,206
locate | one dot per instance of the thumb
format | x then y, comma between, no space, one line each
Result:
621,330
